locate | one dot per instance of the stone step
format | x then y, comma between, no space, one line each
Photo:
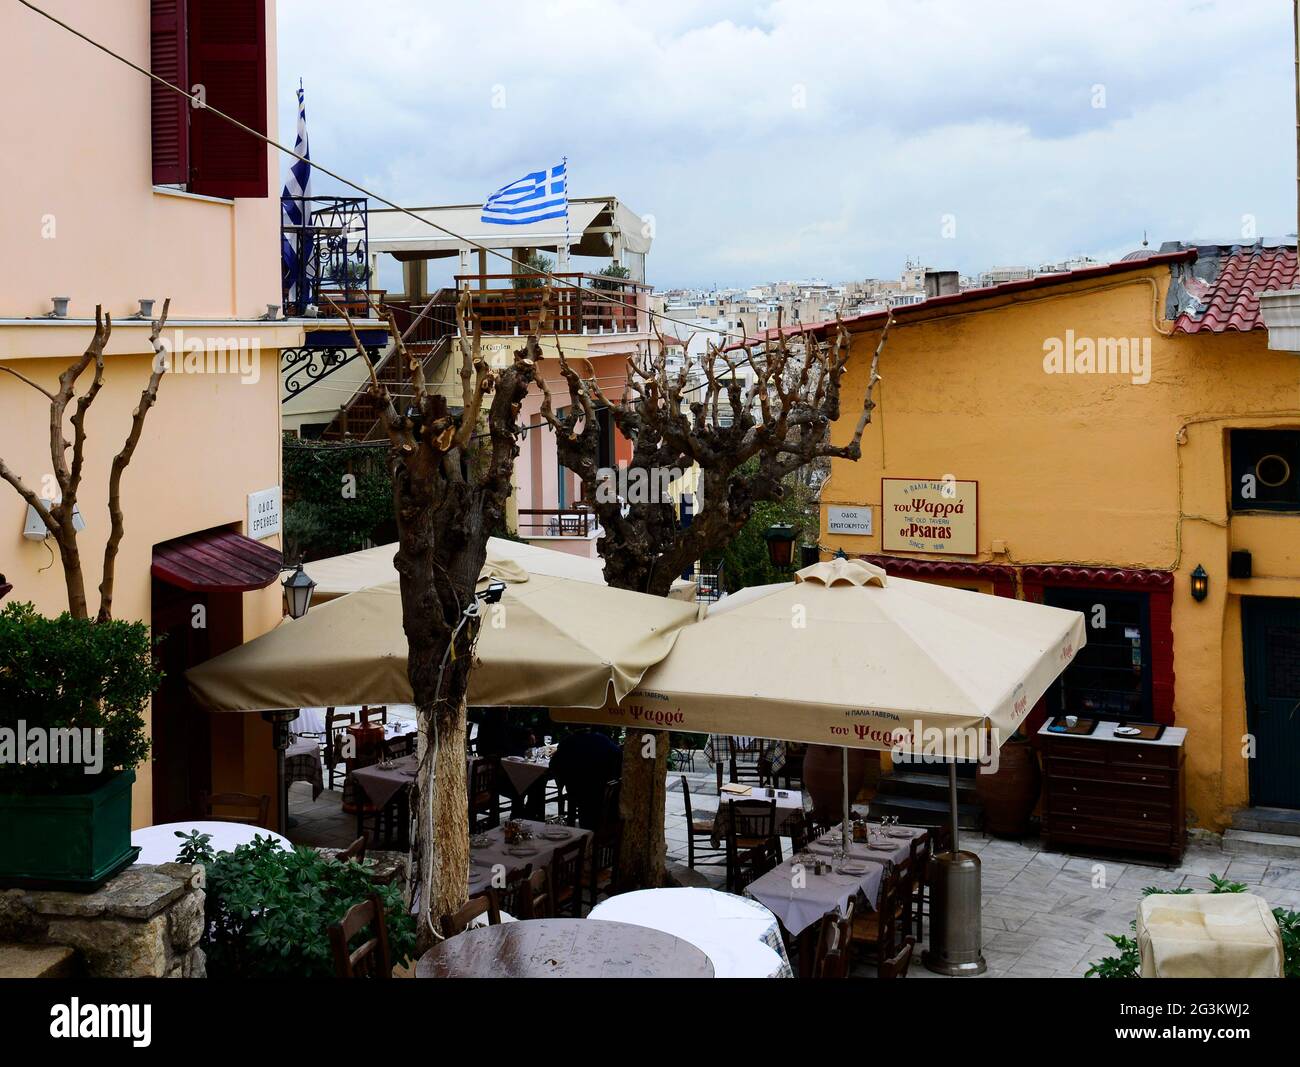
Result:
1268,820
38,961
919,811
1279,846
908,783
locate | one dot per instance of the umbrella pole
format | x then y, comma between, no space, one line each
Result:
952,803
845,831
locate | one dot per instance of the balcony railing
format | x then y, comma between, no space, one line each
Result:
557,522
588,304
333,255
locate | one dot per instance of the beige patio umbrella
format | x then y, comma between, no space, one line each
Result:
849,656
549,641
339,575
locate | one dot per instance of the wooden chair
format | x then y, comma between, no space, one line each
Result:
355,851
559,796
336,726
566,878
750,826
749,762
512,898
875,933
484,903
606,839
896,967
700,829
833,939
484,802
800,837
753,863
922,853
791,772
370,959
378,713
397,747
536,896
255,808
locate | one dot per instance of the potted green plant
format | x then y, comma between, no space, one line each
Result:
72,730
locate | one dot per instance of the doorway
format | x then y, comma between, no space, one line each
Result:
1271,634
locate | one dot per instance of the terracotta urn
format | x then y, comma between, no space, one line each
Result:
823,778
1009,795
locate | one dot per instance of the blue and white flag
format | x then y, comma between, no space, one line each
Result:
298,264
533,198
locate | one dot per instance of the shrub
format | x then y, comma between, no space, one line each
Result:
78,674
1128,964
269,911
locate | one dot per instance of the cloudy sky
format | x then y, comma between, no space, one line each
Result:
821,138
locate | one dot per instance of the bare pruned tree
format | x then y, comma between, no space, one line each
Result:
451,483
676,419
66,472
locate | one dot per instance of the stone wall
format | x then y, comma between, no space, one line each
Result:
145,923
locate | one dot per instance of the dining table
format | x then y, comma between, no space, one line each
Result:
159,843
302,764
491,856
789,808
564,948
739,935
799,897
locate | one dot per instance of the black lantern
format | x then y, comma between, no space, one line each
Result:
1200,584
298,588
780,544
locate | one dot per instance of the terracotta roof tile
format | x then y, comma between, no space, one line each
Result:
1230,299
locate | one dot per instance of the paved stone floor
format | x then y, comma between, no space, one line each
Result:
1045,914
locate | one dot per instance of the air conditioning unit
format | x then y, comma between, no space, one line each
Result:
34,528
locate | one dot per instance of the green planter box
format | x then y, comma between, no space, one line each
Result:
71,841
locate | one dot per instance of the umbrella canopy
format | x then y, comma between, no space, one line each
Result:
848,656
549,641
340,575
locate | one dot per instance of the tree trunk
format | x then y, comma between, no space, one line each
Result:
442,832
642,803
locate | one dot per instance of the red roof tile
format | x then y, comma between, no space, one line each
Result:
1231,300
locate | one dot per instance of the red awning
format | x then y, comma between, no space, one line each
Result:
216,561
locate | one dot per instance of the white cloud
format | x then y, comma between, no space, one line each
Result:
913,109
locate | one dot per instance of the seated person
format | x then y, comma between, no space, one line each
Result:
584,762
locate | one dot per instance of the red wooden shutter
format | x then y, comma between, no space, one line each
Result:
170,112
228,59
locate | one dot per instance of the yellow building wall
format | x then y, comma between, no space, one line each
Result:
1093,469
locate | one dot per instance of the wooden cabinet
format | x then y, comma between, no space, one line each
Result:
1108,793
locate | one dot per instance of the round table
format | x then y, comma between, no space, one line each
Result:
159,844
564,948
739,935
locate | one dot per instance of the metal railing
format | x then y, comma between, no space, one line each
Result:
333,261
557,522
510,303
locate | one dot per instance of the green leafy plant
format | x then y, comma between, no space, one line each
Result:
269,911
745,559
338,498
1129,962
534,263
613,271
74,674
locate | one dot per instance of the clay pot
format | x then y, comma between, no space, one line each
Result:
823,778
1009,796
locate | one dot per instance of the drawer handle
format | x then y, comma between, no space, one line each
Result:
1074,809
1144,778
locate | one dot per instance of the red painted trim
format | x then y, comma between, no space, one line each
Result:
1159,585
1003,578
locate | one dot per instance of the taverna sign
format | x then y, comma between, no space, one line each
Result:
929,515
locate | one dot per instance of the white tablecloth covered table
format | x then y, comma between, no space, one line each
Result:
740,936
159,844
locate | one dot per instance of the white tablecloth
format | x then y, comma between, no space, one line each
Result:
312,720
159,844
740,936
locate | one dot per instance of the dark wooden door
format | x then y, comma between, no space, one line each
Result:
182,743
1272,646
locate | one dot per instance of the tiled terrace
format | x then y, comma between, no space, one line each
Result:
1045,914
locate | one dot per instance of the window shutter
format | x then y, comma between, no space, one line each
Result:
170,112
228,59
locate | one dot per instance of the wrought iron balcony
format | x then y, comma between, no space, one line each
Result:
332,243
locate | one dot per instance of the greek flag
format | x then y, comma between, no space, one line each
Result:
296,243
533,198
